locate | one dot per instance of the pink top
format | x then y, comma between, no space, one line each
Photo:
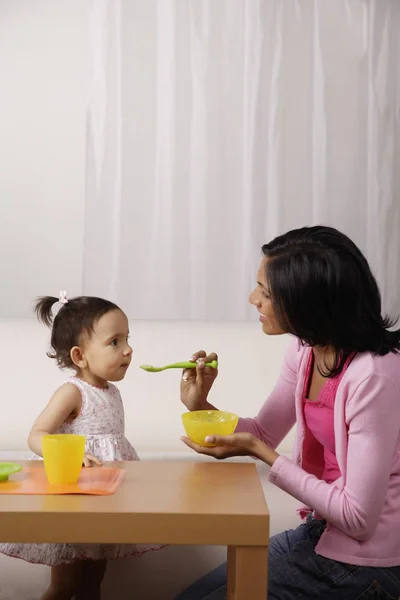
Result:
362,507
318,416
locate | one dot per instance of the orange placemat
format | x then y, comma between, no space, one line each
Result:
99,481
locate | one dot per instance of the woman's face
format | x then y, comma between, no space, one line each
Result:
260,297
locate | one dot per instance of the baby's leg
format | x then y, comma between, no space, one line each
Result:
93,575
65,581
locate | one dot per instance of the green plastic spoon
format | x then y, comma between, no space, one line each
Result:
179,365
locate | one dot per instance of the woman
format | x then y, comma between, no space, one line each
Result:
340,384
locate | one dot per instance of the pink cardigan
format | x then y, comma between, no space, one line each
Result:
362,508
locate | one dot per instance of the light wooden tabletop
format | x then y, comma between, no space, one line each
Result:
158,502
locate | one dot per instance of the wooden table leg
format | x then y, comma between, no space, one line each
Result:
247,572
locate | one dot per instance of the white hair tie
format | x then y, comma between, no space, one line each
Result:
63,297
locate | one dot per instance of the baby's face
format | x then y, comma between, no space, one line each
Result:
107,351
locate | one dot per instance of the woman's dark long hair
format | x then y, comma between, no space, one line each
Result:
323,292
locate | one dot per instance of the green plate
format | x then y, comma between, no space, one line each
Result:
7,469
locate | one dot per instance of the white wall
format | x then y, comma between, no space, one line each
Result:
42,149
42,192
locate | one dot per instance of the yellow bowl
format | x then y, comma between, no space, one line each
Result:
199,424
63,457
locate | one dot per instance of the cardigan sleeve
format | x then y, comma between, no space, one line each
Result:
373,422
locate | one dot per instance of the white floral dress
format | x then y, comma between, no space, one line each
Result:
102,421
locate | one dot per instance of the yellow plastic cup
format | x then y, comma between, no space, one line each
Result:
63,457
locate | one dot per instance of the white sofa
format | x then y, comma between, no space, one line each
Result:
152,424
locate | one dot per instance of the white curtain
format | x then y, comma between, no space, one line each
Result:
214,125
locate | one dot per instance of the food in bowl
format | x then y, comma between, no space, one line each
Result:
199,424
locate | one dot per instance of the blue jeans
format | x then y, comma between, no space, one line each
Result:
296,572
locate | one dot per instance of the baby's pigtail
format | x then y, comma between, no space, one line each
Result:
43,309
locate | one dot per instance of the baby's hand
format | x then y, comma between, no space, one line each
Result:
89,459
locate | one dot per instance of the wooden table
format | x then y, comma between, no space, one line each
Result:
164,503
